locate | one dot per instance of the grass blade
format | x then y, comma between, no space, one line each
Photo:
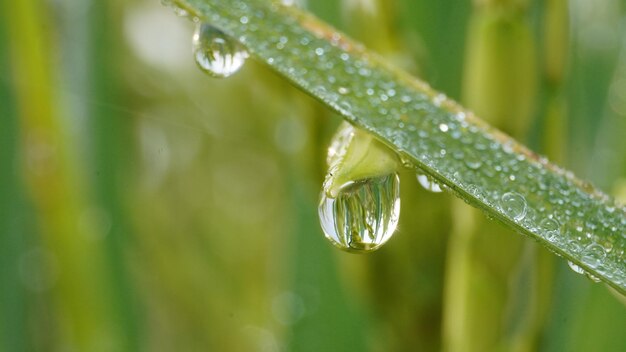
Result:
482,165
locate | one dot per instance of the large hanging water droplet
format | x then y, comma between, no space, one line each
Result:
429,184
364,215
215,53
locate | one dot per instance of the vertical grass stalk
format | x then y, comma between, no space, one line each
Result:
50,167
13,229
489,299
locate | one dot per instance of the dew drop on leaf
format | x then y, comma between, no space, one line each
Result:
575,268
514,205
428,184
594,255
364,215
472,160
578,270
551,228
179,11
215,53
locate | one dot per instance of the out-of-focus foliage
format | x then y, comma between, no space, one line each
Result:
145,206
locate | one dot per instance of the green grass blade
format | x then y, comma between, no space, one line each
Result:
13,218
482,165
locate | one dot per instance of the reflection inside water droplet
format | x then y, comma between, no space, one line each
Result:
364,215
429,184
215,53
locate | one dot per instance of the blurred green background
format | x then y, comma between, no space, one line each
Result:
145,206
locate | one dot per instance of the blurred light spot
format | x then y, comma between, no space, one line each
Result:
38,270
619,190
585,11
262,339
155,152
288,308
290,135
367,6
157,37
40,154
617,96
301,3
598,37
244,186
311,297
94,223
186,146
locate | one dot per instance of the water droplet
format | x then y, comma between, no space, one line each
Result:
579,270
575,268
593,255
215,53
514,205
551,227
364,214
439,99
179,11
443,127
472,160
592,277
288,308
428,184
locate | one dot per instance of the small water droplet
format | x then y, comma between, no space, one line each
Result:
514,205
363,216
429,184
594,254
592,277
178,11
215,53
551,227
443,127
575,268
579,270
472,160
439,99
407,162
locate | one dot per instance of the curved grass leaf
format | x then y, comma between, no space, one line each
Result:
482,165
